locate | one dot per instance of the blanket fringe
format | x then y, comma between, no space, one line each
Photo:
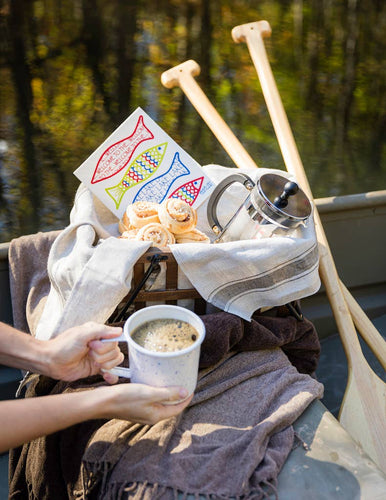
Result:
141,490
91,476
271,489
31,494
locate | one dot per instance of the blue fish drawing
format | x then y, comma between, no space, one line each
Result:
157,189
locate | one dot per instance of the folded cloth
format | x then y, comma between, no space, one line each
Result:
227,332
90,269
242,276
231,442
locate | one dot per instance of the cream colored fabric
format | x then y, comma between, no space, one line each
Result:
90,268
242,276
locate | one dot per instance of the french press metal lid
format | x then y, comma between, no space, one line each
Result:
281,200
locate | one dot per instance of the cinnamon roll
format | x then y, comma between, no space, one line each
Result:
131,234
139,214
124,224
193,236
156,233
177,216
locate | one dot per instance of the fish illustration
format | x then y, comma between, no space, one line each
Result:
139,171
157,189
118,155
188,192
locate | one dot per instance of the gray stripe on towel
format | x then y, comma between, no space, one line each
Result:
296,268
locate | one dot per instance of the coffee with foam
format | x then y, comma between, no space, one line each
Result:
165,335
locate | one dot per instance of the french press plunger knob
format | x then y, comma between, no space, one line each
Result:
290,189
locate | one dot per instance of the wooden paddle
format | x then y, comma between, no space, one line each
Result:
363,410
183,76
365,327
363,407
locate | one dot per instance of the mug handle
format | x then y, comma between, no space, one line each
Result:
120,371
217,193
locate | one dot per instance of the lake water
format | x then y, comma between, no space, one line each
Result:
72,71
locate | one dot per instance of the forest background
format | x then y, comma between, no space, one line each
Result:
71,71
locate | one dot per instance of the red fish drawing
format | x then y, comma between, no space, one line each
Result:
188,192
118,155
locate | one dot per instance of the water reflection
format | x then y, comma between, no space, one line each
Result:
72,71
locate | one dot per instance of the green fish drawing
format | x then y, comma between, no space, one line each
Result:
139,170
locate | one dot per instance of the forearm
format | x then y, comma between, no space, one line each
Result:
21,350
26,419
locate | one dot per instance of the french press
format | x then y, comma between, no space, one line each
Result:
273,202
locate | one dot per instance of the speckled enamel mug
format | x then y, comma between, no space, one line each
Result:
162,369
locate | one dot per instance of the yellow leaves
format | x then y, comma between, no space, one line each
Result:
42,50
39,107
65,111
155,53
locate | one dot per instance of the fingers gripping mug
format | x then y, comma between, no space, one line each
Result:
162,369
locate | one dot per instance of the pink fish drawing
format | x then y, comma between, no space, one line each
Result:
188,192
118,155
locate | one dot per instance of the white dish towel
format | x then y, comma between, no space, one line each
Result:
90,268
242,276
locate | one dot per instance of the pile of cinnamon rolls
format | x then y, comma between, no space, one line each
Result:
172,221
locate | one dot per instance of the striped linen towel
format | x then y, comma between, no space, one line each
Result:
242,276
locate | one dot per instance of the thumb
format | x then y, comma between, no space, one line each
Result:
166,394
97,331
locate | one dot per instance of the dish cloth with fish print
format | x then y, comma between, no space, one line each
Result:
242,276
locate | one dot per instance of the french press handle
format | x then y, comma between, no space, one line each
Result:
217,193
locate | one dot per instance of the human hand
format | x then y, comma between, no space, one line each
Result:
139,403
78,352
47,414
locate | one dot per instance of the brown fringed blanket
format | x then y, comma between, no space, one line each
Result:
231,442
28,279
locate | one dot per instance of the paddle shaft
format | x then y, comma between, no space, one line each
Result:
365,327
183,77
363,407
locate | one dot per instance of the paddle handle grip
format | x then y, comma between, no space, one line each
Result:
183,77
